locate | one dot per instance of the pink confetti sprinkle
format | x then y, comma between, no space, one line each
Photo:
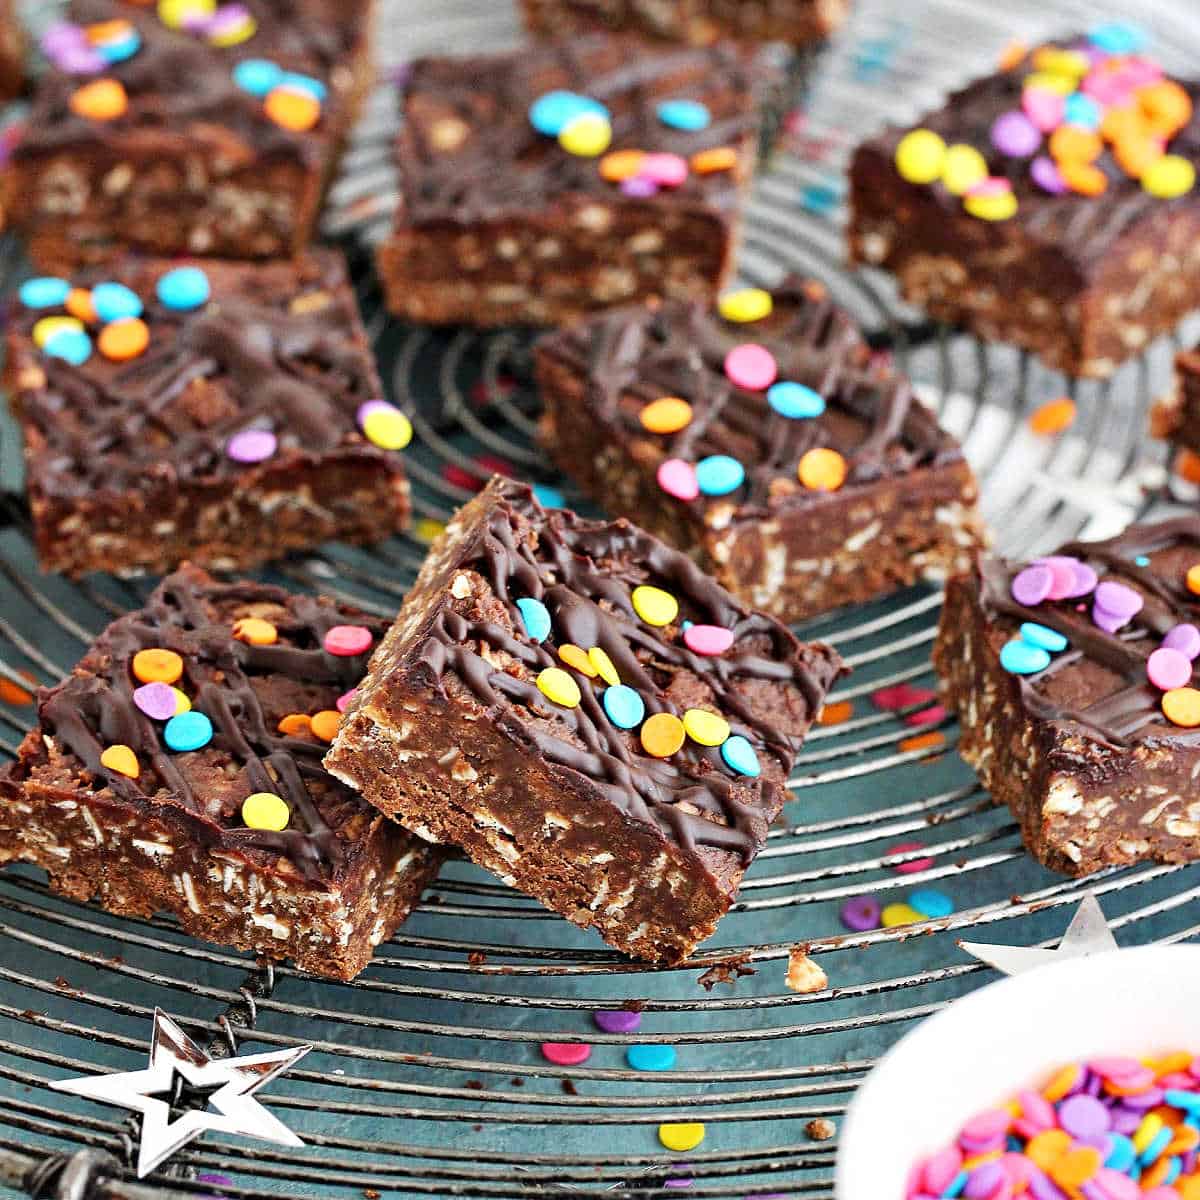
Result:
1062,578
917,864
751,366
566,1054
666,170
927,716
343,701
708,639
678,478
1167,669
941,1169
901,695
1116,1068
1044,108
345,641
984,1126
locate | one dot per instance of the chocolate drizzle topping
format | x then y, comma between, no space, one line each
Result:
180,86
242,361
225,679
1131,713
468,152
584,572
635,355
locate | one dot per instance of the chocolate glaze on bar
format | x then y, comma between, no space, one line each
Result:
177,80
485,100
113,426
94,708
1134,713
1085,227
590,606
679,350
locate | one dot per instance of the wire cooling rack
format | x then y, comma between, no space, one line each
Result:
426,1079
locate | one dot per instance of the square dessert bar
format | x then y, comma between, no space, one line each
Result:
190,128
1074,681
586,715
1051,204
178,768
1177,415
757,439
570,176
697,22
224,414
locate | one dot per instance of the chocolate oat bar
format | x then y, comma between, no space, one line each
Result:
1051,204
1074,680
1177,415
187,129
548,182
588,716
697,22
224,414
758,439
178,769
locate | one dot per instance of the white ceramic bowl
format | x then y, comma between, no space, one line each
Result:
978,1051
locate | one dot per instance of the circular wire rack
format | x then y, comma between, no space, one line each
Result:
426,1077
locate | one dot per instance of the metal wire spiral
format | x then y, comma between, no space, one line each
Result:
426,1079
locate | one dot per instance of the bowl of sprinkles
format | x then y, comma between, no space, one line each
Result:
1079,1080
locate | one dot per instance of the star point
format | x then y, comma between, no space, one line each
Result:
231,1105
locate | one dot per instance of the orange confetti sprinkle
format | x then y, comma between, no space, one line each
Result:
1193,579
11,693
1154,1175
1120,123
1169,1064
124,339
662,735
668,414
1062,1083
837,713
1054,416
297,111
1182,707
822,470
1084,178
1187,465
1186,1138
1079,1166
1011,55
122,760
79,304
621,164
1135,155
295,723
107,31
923,741
1073,143
1166,107
325,724
157,666
1045,1149
256,631
100,100
709,162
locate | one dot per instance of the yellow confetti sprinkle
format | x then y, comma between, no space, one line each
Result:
654,606
556,685
265,810
745,305
682,1135
587,136
1167,178
704,727
47,327
920,156
122,760
573,656
899,914
963,168
604,666
387,428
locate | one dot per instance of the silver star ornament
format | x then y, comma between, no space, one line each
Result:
1087,934
231,1107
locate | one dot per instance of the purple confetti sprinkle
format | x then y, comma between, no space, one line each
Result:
1118,600
1032,586
1045,173
984,1180
157,700
617,1020
1041,1186
860,913
1151,1099
1185,638
1014,134
638,187
1126,1122
252,446
1084,1117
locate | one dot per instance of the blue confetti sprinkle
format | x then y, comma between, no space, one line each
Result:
624,706
1118,37
71,345
258,76
819,198
549,497
1142,561
120,49
1020,658
796,401
188,731
304,83
650,1058
718,475
551,112
1121,1152
739,756
183,289
114,302
46,291
1081,109
536,617
1046,638
688,115
929,902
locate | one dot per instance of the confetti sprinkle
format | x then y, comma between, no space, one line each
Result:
706,728
551,112
347,641
617,1020
536,618
929,902
662,735
899,914
1019,657
690,116
587,136
265,810
719,474
255,631
325,724
560,688
837,713
860,914
121,759
566,1054
1053,417
746,305
751,366
822,470
680,1136
114,301
384,425
100,100
678,479
188,731
46,291
124,339
921,156
624,706
795,401
1181,706
913,867
156,700
654,606
668,414
921,741
156,665
739,756
709,640
650,1057
183,289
